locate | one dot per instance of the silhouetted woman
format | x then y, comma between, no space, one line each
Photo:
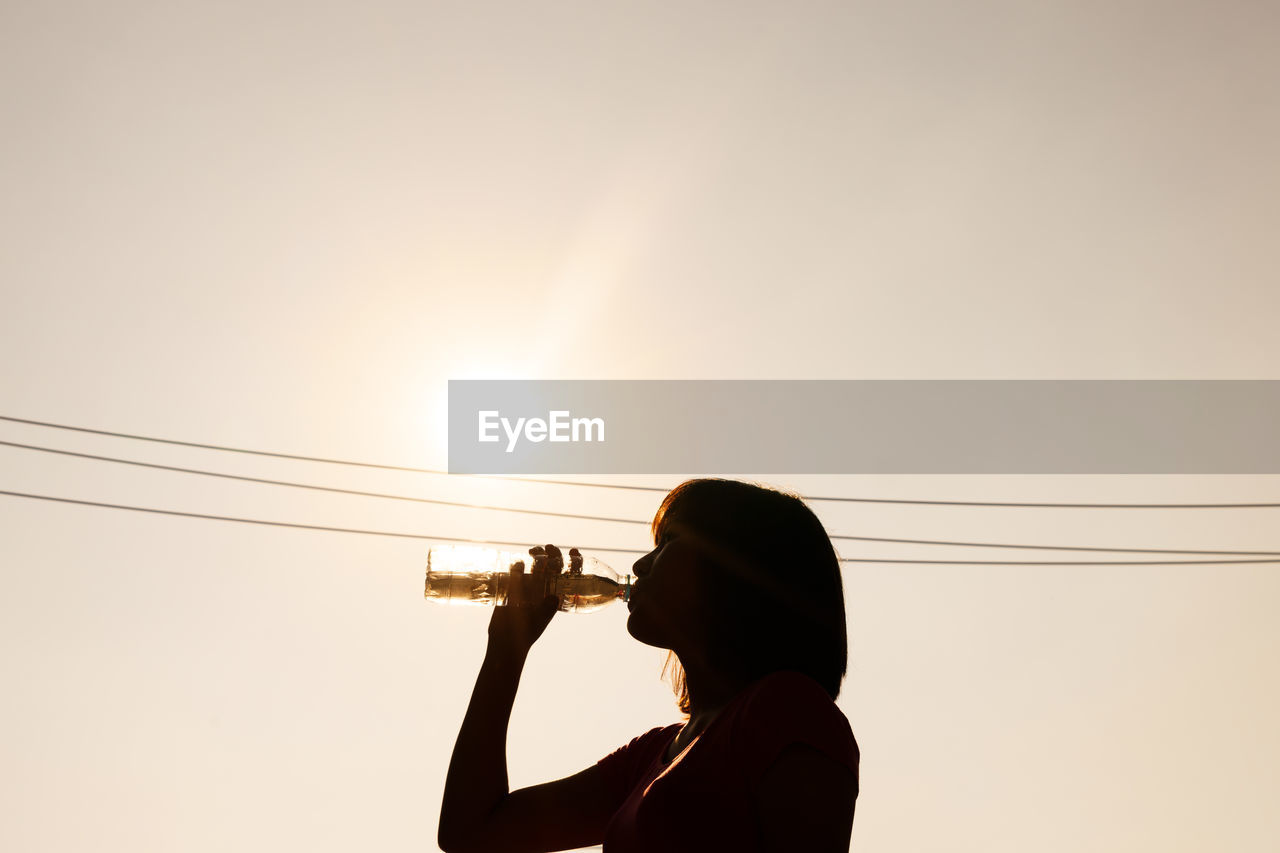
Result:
744,588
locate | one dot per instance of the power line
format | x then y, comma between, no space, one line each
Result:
836,499
614,550
295,525
294,485
584,517
217,446
325,460
1059,562
1053,547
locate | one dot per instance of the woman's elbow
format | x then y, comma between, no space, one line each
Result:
446,842
453,843
475,839
457,840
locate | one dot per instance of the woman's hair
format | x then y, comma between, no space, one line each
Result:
786,611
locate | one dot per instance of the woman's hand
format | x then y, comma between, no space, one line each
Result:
531,602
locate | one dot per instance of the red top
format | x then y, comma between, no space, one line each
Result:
705,798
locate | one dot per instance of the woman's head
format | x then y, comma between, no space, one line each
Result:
747,572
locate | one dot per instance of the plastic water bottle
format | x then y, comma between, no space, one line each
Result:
468,575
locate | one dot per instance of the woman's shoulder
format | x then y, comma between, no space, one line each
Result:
789,679
791,689
621,769
655,738
786,707
643,746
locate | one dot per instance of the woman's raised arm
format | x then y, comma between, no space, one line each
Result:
478,812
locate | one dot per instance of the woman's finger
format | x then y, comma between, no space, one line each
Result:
515,584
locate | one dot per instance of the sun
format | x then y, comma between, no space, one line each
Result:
430,409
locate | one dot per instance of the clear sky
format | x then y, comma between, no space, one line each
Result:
286,225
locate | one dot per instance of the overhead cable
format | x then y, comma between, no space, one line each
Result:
615,550
840,537
838,499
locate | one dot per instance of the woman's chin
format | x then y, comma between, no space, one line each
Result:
637,629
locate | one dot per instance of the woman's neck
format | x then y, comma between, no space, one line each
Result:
710,689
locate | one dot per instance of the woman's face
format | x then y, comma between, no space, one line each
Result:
668,601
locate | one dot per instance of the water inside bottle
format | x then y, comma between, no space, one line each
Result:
584,593
578,593
467,587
